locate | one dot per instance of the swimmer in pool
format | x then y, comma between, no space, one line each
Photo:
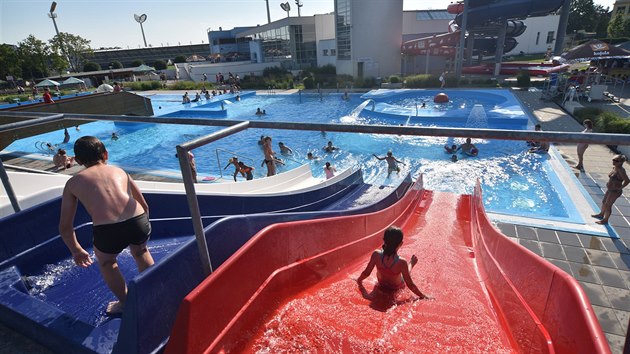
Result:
391,163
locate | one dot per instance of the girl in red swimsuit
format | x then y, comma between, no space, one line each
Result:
392,271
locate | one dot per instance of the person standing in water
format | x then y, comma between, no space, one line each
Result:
391,163
120,217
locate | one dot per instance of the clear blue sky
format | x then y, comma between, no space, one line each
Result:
109,23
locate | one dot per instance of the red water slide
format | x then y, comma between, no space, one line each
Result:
292,288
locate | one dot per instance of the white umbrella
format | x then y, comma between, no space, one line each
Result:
105,88
73,81
47,83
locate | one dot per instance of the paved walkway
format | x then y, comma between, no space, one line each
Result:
600,264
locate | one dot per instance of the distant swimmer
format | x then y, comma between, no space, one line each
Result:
259,112
469,148
452,149
284,149
329,170
330,147
114,136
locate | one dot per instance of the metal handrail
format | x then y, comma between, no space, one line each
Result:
234,127
561,137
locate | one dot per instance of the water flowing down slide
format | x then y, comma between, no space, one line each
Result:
292,287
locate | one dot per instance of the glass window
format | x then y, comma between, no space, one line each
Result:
550,38
621,10
537,38
343,27
325,53
333,52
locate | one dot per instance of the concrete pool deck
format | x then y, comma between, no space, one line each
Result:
600,264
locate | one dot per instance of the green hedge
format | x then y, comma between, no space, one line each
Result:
422,81
604,122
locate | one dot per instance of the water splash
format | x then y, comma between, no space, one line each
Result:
356,111
477,118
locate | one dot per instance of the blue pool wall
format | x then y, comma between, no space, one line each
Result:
155,295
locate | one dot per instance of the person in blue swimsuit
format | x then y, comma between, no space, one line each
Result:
392,271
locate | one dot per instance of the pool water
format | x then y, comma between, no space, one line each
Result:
514,182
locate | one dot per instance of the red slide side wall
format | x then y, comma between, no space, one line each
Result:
544,308
239,293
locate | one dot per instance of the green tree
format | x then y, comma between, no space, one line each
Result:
625,28
75,48
615,27
136,63
116,64
159,65
179,59
10,62
34,54
91,66
585,15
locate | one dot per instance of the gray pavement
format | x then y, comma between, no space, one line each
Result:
600,264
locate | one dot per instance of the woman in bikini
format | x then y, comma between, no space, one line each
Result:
269,157
392,271
617,180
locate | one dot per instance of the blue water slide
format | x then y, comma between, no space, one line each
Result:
30,244
153,299
481,12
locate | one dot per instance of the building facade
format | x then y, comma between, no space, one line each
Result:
369,37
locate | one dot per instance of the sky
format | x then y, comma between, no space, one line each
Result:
111,23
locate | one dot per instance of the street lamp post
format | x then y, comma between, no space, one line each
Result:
140,19
268,13
53,16
299,4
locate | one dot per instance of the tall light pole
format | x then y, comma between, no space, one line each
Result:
286,7
53,16
268,14
299,4
140,19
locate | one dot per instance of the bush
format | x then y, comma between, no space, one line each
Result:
523,79
143,85
308,82
91,66
136,63
189,85
604,122
422,81
159,65
586,113
116,64
394,79
179,59
274,72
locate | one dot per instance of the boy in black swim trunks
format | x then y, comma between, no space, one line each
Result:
120,216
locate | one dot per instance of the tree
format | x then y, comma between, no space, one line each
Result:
116,64
615,27
10,62
159,65
585,15
75,48
179,59
34,54
91,66
136,63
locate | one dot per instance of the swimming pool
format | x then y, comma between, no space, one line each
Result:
514,182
